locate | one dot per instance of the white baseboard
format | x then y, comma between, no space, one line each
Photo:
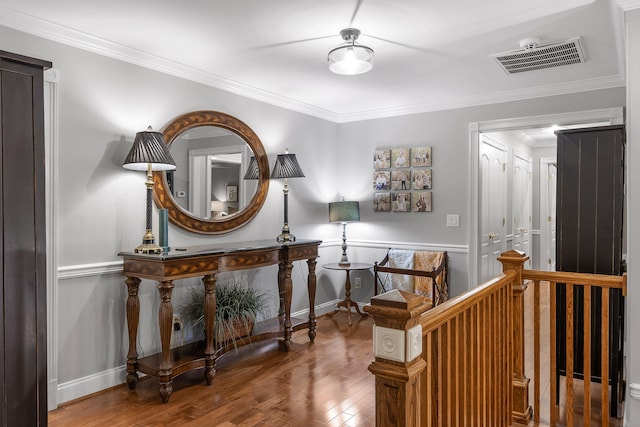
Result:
91,384
65,392
52,394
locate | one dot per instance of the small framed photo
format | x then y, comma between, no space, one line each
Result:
232,193
401,201
382,159
381,202
381,180
400,180
421,157
400,158
421,179
421,201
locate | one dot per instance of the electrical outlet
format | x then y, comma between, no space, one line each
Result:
358,283
177,322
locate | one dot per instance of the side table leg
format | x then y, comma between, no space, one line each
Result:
281,289
347,296
209,282
133,317
165,319
311,286
287,287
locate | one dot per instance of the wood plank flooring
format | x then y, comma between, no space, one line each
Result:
322,384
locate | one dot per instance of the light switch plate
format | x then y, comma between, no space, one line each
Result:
453,220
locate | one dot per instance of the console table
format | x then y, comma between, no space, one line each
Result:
207,261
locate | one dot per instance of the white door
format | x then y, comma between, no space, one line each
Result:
493,192
521,205
548,174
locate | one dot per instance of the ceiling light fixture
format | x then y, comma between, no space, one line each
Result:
350,58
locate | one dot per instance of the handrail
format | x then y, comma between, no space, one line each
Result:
442,313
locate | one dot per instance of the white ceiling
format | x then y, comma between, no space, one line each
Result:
429,55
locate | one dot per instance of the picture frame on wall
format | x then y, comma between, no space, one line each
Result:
381,180
421,157
400,157
381,159
401,201
421,179
400,179
421,201
232,193
381,202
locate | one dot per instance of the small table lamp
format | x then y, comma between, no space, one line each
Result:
217,206
344,212
149,152
252,170
286,166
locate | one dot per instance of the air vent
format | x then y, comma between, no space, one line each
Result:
533,57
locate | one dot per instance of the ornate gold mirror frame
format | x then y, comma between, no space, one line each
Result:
182,218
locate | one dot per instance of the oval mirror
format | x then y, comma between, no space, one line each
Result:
210,191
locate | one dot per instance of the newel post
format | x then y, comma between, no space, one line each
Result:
514,260
398,365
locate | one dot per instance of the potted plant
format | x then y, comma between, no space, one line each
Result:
237,307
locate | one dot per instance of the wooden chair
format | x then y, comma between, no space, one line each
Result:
438,276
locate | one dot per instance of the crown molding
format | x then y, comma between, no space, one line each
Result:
628,4
49,30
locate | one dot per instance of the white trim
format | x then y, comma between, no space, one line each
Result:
51,139
544,231
49,30
94,383
613,115
99,381
626,5
87,270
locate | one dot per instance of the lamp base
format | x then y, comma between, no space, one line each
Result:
148,248
286,237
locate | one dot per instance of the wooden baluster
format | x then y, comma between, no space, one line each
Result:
311,288
604,357
396,315
586,351
569,364
553,374
514,260
536,351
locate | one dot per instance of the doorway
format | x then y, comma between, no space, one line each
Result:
607,116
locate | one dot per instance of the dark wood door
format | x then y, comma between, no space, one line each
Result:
589,214
23,356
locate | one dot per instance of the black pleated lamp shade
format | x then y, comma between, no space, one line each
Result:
286,166
252,169
344,211
149,148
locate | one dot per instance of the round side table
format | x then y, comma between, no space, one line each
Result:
347,303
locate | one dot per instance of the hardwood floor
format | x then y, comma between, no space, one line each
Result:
322,384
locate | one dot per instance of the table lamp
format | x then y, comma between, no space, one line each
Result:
217,206
149,152
286,166
344,212
252,170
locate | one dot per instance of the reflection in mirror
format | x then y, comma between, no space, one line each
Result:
208,192
211,163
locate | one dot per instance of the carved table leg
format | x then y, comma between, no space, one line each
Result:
281,289
209,282
311,285
133,316
288,288
165,320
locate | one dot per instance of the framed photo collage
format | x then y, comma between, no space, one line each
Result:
402,179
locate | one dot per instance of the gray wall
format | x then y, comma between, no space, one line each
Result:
102,104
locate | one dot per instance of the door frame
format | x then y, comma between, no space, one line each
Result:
613,115
544,208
